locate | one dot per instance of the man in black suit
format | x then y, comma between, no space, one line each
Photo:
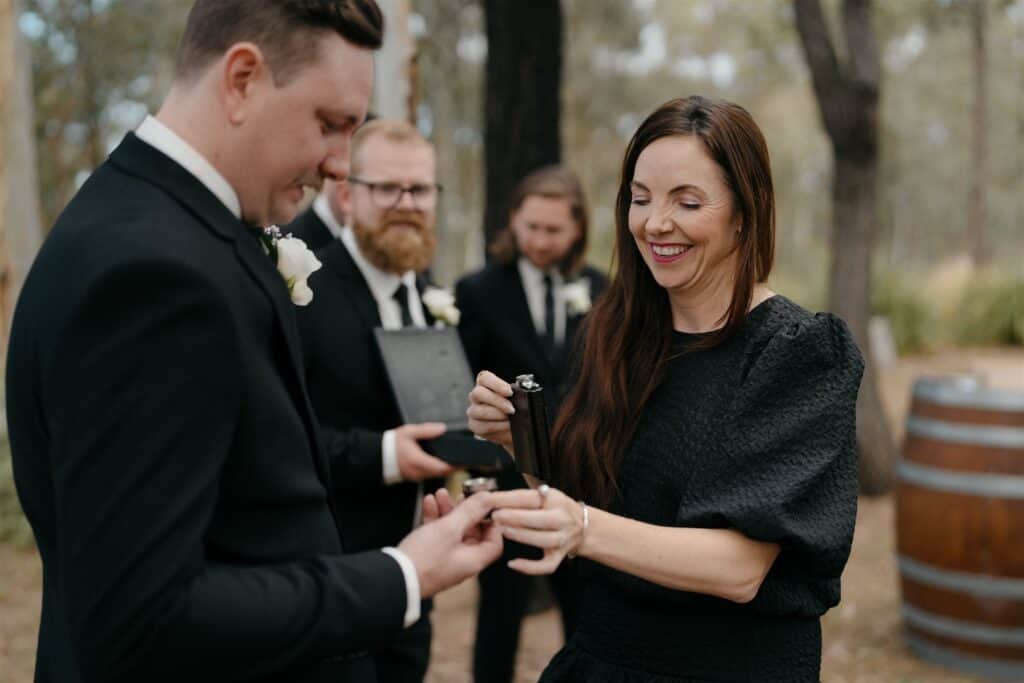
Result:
369,280
310,228
164,448
521,315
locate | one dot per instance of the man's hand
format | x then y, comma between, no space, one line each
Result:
415,464
454,544
437,505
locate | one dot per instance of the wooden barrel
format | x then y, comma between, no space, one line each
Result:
960,528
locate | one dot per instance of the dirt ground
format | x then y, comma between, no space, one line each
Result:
861,637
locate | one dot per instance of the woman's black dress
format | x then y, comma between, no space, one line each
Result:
755,435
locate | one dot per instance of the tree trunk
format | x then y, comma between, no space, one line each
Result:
20,232
853,220
524,69
848,94
391,83
977,221
450,88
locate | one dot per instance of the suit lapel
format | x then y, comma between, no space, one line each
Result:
139,159
339,263
514,294
144,161
264,271
317,234
421,286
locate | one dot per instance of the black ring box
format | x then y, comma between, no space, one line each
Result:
431,380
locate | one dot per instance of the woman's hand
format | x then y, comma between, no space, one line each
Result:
489,408
543,517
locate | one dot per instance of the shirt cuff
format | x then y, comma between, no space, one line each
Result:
389,458
412,585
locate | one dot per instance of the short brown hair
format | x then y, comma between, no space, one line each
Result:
551,182
282,29
394,130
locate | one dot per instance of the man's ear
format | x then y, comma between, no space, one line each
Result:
243,72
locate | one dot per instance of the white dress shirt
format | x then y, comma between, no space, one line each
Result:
164,140
155,134
323,211
533,286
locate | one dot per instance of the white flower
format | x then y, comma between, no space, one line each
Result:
441,304
577,296
296,263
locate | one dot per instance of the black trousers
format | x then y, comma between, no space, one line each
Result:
406,659
503,597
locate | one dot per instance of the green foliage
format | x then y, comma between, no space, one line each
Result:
14,527
914,322
991,311
957,305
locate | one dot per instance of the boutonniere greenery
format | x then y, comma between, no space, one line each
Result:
294,261
577,296
441,304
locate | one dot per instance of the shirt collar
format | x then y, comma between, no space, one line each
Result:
534,275
157,135
382,283
323,211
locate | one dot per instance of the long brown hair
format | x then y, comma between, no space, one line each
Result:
552,182
629,332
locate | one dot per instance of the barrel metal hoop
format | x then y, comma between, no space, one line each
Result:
947,394
981,585
969,483
965,630
975,435
995,669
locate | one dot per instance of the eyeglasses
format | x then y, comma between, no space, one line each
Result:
387,195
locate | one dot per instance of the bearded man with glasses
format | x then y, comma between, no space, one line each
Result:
371,277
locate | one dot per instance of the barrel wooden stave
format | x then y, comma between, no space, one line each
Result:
1011,655
960,529
962,457
962,533
962,605
967,414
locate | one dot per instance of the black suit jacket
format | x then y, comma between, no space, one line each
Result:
310,229
498,332
166,454
351,394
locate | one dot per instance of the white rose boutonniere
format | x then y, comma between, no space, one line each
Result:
577,296
441,304
294,261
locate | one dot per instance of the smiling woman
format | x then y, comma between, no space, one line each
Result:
708,435
693,226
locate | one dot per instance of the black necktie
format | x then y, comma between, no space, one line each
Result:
401,295
549,315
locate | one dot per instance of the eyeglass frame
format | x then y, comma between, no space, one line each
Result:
403,189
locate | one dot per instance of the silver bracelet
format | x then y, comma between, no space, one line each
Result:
583,533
